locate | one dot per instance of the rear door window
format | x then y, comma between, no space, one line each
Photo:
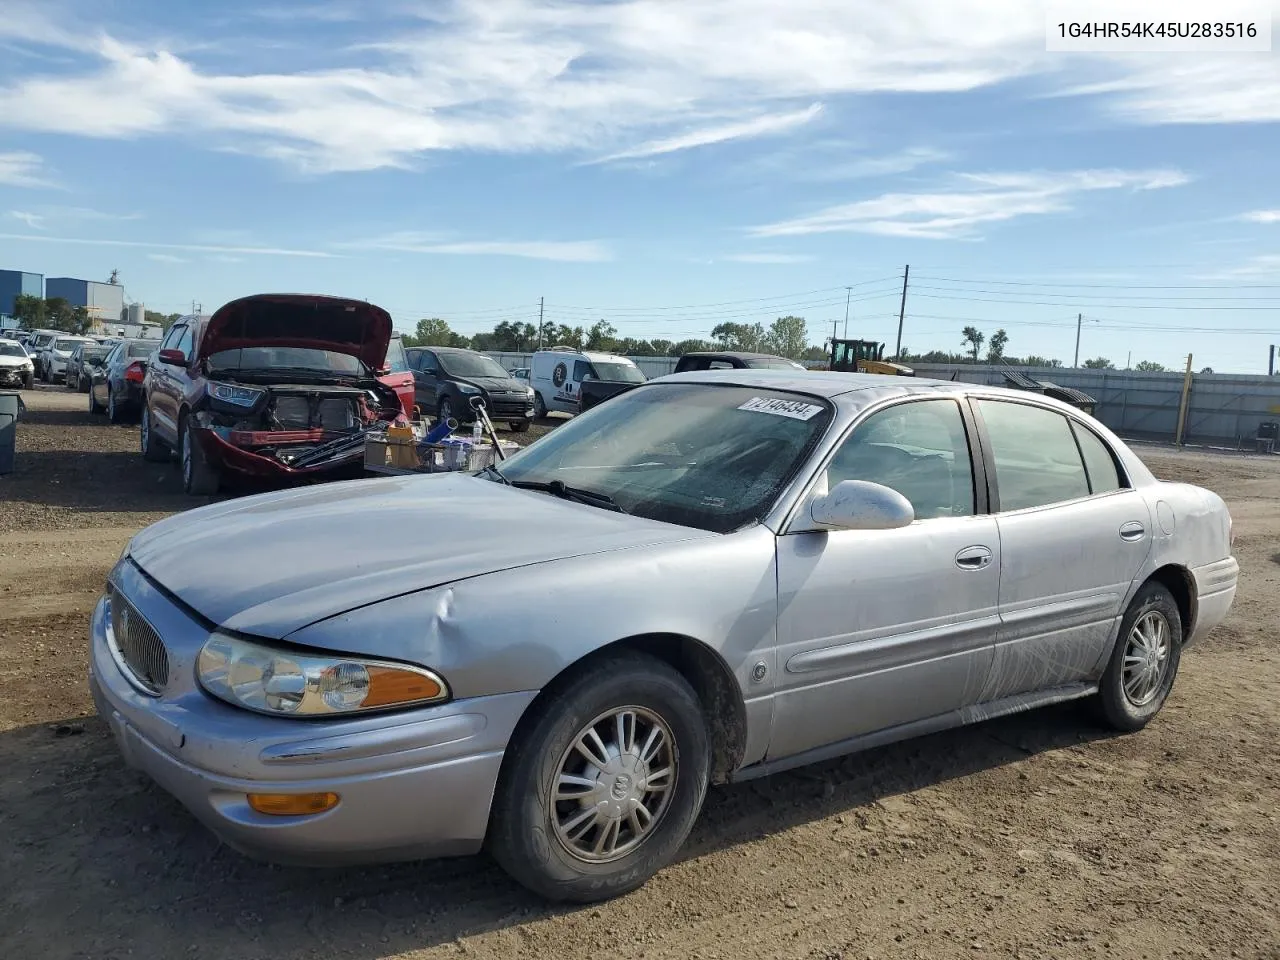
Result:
1036,458
1099,462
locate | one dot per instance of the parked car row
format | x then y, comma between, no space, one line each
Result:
115,384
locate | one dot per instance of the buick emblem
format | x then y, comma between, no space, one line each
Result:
621,786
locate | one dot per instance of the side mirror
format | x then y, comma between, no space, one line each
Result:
175,357
382,371
861,505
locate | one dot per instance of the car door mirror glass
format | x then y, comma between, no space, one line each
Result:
861,505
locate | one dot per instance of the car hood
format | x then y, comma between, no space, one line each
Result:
494,384
272,564
7,361
352,327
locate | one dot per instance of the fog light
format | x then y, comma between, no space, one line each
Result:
292,804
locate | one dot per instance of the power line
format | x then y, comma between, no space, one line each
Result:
1088,296
1112,286
1057,303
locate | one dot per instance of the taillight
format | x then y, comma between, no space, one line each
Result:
135,371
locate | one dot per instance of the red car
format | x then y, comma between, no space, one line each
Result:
280,387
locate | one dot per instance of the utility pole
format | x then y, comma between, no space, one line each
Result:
848,292
1182,406
1079,321
1271,361
541,304
902,311
834,325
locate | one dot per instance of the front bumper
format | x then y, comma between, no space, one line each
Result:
249,464
413,784
14,376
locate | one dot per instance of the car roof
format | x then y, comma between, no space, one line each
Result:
742,354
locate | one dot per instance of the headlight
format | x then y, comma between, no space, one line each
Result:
234,394
467,388
287,683
528,391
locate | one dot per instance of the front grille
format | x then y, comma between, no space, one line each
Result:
138,648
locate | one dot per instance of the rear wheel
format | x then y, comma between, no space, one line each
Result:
153,448
1144,662
199,477
94,407
69,383
601,789
115,413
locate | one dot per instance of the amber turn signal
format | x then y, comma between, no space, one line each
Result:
292,804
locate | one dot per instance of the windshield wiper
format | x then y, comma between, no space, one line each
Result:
495,473
558,488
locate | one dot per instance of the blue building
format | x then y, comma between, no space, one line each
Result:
14,283
105,301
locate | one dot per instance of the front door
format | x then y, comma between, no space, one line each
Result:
1073,535
426,381
877,628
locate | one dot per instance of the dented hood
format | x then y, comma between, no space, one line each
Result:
301,320
272,564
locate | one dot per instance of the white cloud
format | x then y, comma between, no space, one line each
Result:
165,258
1262,267
765,258
1190,89
571,251
979,199
761,126
903,161
1261,216
19,168
32,220
193,247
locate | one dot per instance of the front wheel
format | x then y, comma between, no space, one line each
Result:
601,789
445,411
94,407
519,426
199,477
539,407
115,413
1144,662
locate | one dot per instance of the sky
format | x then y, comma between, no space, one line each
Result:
665,165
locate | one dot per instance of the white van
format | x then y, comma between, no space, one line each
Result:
557,374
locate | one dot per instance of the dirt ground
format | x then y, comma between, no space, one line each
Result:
1031,836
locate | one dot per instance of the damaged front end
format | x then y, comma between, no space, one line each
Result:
286,430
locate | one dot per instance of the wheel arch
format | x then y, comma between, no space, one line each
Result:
1179,581
705,670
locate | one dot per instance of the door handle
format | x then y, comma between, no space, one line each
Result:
973,558
1132,530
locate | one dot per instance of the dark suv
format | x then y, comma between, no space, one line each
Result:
447,380
275,386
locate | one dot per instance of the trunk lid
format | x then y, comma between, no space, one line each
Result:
352,327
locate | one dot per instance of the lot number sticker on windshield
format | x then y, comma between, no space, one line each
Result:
795,409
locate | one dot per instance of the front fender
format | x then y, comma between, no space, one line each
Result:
518,629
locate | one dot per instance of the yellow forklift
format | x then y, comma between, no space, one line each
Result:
863,356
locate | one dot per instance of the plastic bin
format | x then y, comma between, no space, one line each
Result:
10,404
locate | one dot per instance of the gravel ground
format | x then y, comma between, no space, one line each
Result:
1031,836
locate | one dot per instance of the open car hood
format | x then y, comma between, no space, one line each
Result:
352,327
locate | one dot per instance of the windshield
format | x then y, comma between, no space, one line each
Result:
141,348
397,362
471,365
773,364
617,372
94,353
702,456
12,350
323,362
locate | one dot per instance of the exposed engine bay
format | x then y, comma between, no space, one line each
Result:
301,426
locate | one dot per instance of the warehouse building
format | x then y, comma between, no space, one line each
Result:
104,301
13,284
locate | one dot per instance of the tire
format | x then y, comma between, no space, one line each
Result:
94,407
1127,702
539,407
445,410
115,413
154,450
519,426
66,382
526,823
199,477
29,381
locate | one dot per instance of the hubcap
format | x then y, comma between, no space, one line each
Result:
1146,658
614,784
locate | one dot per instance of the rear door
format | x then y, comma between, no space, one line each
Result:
162,396
1073,535
880,628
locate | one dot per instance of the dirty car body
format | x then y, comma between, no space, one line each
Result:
276,386
800,566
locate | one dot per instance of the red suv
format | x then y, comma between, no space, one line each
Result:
274,386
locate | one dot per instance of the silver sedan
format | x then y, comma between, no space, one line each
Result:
710,578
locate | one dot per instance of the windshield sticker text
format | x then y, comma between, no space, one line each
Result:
795,409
